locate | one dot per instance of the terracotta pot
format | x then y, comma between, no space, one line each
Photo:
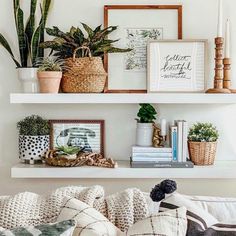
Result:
49,81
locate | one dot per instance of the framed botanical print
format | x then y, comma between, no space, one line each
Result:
176,65
86,134
137,24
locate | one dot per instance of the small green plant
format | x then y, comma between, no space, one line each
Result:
29,35
50,64
68,150
33,126
64,44
146,114
203,132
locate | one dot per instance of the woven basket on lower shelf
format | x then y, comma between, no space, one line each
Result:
202,153
85,75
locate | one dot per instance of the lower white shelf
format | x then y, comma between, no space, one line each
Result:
221,170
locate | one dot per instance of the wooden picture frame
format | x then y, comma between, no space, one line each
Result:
93,140
109,8
177,65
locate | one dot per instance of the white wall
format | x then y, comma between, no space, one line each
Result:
199,21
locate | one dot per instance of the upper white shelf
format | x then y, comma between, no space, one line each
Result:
131,98
221,170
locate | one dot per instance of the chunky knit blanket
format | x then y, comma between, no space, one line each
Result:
122,209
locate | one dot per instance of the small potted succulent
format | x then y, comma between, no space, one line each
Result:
146,118
202,143
83,51
33,138
50,74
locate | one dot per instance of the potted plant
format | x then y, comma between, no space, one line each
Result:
49,74
146,118
83,54
202,143
29,38
33,138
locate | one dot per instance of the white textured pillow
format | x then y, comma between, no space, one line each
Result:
89,222
169,223
26,209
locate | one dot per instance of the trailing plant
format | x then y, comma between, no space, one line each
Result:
30,35
203,132
68,150
33,126
64,44
50,64
146,114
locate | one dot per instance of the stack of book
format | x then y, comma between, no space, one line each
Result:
150,157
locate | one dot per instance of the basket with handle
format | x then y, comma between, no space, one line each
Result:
202,153
85,74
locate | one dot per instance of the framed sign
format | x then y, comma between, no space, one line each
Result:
127,72
87,134
176,65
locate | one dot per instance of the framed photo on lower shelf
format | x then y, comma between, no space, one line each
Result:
176,66
87,134
127,72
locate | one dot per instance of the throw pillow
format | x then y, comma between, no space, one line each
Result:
169,223
89,222
200,222
64,228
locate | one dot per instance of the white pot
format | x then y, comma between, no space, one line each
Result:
144,134
33,148
28,78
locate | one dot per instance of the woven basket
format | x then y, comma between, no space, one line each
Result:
202,153
86,74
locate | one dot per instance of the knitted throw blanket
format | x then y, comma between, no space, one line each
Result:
122,209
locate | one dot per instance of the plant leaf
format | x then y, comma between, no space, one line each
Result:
5,44
35,45
88,30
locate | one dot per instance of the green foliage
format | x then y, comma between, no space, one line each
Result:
64,44
146,114
33,126
68,150
203,132
50,64
29,36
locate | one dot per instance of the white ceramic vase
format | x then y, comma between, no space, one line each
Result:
29,80
144,134
33,148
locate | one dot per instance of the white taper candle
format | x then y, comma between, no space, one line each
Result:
220,20
163,127
227,39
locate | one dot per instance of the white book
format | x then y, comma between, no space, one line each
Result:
179,124
150,149
146,159
154,155
185,138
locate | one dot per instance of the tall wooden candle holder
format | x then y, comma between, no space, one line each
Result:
219,75
227,75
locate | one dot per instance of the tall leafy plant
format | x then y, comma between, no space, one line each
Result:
30,35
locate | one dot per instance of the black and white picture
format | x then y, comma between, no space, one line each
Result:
176,66
87,135
136,39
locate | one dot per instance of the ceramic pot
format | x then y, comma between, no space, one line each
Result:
33,148
49,81
28,79
144,134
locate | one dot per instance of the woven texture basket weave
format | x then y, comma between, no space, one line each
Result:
202,153
86,74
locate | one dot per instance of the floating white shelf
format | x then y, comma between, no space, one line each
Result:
160,98
221,170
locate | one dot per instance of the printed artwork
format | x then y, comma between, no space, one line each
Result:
87,136
136,60
176,66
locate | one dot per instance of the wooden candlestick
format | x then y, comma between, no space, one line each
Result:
227,75
219,76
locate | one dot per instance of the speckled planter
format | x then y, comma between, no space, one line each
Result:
33,148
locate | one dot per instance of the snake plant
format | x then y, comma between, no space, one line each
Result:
64,44
29,35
